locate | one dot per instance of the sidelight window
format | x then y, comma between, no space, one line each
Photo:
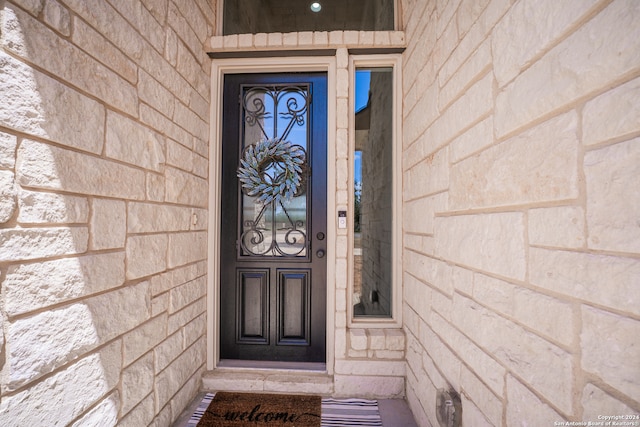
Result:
375,190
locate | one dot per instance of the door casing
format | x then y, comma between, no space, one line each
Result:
220,67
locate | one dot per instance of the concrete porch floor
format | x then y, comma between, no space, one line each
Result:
394,412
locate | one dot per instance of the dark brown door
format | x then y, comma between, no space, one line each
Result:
273,230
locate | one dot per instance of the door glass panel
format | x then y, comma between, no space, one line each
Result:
373,192
275,134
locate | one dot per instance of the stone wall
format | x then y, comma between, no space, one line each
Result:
521,198
104,112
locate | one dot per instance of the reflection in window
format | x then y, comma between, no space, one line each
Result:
284,16
373,192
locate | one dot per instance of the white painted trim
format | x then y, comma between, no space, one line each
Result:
397,15
219,68
213,270
395,61
219,20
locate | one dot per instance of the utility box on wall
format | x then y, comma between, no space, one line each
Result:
448,408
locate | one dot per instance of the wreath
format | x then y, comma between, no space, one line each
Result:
271,170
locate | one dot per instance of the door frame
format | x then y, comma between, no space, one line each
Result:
219,68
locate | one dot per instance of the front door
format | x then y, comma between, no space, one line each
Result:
273,229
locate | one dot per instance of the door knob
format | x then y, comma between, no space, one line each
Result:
320,253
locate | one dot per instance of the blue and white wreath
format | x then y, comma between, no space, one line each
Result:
271,170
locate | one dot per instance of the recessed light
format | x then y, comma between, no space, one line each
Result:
316,7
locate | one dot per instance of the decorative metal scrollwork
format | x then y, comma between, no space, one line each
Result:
274,230
255,111
265,239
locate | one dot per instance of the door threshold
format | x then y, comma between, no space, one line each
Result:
276,377
273,365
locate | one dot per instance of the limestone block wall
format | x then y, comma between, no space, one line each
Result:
522,245
372,365
104,121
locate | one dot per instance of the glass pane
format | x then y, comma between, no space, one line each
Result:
275,121
373,166
284,16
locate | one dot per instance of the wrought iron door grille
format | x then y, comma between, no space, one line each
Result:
277,228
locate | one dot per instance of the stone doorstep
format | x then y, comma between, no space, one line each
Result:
268,380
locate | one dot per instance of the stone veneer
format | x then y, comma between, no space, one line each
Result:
522,198
104,129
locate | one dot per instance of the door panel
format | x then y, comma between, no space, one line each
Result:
253,306
293,300
273,270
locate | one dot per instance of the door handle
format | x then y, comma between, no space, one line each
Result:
320,253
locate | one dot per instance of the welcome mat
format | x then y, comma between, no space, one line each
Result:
334,413
250,409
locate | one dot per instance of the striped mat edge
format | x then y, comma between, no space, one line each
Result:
335,412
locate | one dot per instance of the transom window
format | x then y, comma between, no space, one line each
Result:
284,16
